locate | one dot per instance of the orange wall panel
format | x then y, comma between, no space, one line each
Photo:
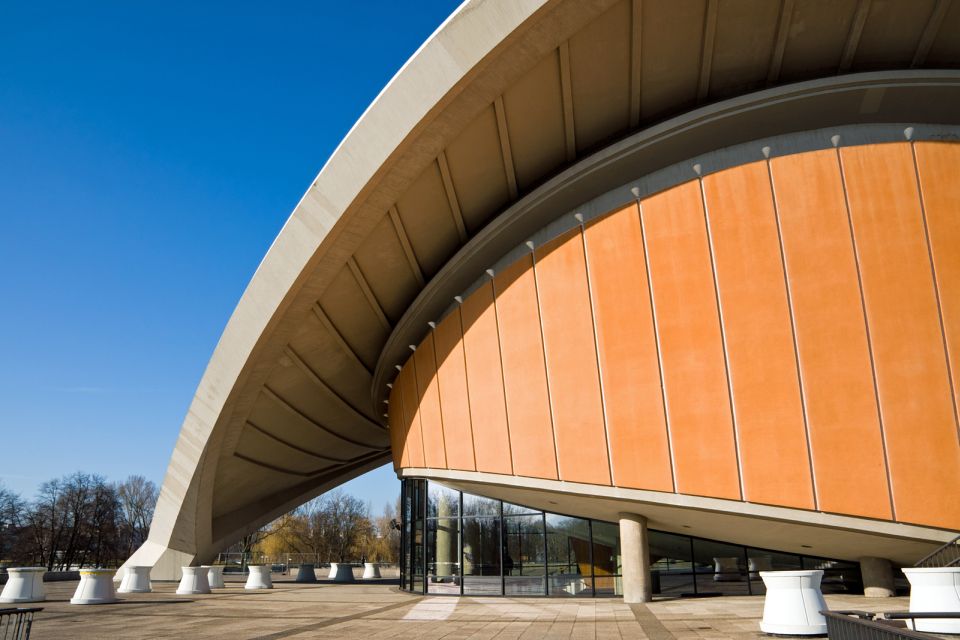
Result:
938,166
395,422
905,333
767,407
413,440
488,412
842,415
431,425
571,354
695,381
629,364
454,399
524,373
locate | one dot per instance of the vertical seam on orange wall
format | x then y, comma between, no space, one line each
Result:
793,334
723,336
436,372
546,369
936,285
596,347
656,342
466,382
866,326
503,380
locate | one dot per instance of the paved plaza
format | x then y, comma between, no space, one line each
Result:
379,610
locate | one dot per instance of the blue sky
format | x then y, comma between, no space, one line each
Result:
149,153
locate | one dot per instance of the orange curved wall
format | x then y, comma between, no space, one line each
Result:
784,332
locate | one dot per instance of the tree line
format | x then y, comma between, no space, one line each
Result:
333,527
79,520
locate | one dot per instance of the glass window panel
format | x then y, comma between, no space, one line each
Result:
721,568
764,560
671,565
416,569
481,556
443,556
606,559
523,555
480,506
442,502
568,556
518,510
840,576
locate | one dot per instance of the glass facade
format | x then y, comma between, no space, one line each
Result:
456,543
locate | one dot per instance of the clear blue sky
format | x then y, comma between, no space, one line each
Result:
149,153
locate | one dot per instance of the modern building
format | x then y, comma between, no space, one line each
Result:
623,281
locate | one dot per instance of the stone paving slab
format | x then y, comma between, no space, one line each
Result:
379,611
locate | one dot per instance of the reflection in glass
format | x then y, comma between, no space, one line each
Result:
481,556
442,502
523,558
479,506
671,567
606,559
443,555
568,556
720,567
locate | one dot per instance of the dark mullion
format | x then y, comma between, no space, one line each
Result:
462,524
503,582
593,577
693,567
546,558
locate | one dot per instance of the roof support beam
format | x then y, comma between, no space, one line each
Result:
505,150
368,293
853,36
566,95
273,395
780,41
273,467
451,196
338,337
318,381
636,52
285,443
706,54
930,33
407,247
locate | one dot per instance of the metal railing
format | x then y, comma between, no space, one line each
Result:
863,625
947,555
15,624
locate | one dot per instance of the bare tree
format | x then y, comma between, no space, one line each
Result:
138,498
12,510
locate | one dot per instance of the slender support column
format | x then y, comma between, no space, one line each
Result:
877,577
635,547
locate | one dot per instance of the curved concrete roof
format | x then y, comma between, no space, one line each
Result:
501,98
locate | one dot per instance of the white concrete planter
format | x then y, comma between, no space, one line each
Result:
259,577
935,589
96,587
214,576
135,580
193,582
24,584
793,603
344,573
333,571
306,573
370,571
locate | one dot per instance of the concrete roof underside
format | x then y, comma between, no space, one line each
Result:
502,98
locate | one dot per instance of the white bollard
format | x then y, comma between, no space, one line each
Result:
96,587
135,580
793,603
344,573
370,571
193,582
333,571
214,575
306,573
934,589
24,584
259,577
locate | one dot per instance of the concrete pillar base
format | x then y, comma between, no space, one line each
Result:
370,571
306,573
135,580
259,577
215,576
24,584
193,582
96,587
635,550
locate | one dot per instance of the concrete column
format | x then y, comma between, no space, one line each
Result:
877,577
447,547
635,547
